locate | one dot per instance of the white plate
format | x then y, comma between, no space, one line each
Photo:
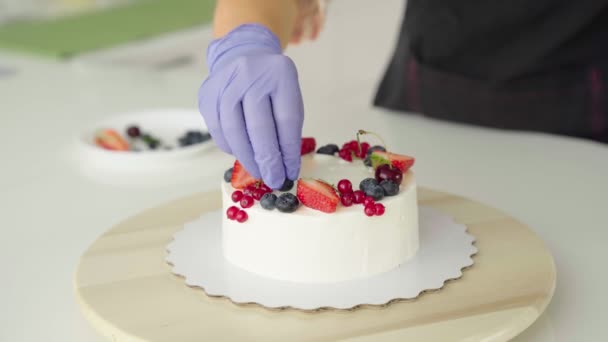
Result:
166,124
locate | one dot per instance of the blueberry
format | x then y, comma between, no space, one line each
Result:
268,201
375,148
330,149
287,203
228,175
287,185
368,160
375,191
366,183
390,188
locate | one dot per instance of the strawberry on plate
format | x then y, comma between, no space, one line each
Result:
308,145
240,177
109,139
402,162
317,195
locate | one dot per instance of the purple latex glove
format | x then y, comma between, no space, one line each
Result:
252,105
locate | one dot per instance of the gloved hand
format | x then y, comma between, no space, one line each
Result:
252,105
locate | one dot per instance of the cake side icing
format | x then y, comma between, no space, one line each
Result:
315,247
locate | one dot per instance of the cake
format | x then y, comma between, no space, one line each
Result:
321,241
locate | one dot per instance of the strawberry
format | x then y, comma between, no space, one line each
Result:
240,177
308,145
401,162
111,140
317,195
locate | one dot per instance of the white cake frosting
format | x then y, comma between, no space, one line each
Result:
315,247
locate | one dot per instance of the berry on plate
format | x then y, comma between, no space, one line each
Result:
287,185
379,209
308,145
347,199
368,200
401,162
287,203
133,131
390,188
329,149
228,175
317,195
268,201
258,193
376,192
345,186
231,212
370,210
236,196
346,154
388,172
366,183
359,196
247,201
240,177
241,216
109,139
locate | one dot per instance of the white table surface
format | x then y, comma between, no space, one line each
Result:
50,212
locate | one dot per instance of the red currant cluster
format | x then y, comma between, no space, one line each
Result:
348,197
246,198
352,149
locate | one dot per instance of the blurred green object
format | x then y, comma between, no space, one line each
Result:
68,36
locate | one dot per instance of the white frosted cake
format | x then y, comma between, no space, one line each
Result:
313,246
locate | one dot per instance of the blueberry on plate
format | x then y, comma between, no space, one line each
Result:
375,191
329,149
287,203
228,175
287,185
268,201
367,183
390,188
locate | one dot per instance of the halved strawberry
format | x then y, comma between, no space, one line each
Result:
308,145
111,140
240,177
402,162
317,195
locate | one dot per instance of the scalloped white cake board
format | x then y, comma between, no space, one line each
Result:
445,249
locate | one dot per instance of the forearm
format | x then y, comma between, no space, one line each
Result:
277,15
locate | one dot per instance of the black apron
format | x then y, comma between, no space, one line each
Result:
527,65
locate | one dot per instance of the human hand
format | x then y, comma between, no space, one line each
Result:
310,20
252,105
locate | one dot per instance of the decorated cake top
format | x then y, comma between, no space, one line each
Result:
360,174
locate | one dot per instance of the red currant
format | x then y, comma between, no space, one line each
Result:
266,188
347,199
365,146
369,210
231,212
379,209
246,201
367,201
241,216
359,196
258,193
353,145
249,190
346,155
237,195
345,186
